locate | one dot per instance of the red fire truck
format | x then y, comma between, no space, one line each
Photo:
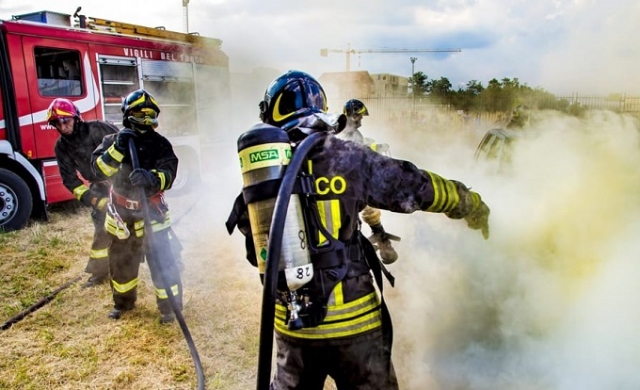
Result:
95,63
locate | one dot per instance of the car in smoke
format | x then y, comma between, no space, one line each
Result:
496,147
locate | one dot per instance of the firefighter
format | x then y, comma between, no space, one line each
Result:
520,117
355,111
77,141
346,328
124,220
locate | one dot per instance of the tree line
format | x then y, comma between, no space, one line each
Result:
498,96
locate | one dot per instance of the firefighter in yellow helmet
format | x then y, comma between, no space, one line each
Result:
158,166
520,117
355,111
73,149
341,327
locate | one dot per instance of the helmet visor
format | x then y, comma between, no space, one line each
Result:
144,113
145,117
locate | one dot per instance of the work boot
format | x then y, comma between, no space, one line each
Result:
167,318
115,314
387,253
94,280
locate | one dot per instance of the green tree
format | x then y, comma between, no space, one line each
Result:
418,84
468,98
440,89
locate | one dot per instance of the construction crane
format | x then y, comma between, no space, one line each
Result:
349,51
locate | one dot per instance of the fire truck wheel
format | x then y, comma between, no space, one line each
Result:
15,201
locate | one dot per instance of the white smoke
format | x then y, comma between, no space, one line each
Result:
549,301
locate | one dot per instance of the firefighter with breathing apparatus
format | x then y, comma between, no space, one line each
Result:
355,111
158,166
329,318
78,139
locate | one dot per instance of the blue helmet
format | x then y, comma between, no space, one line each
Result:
355,106
290,98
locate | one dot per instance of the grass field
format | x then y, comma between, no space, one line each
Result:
70,343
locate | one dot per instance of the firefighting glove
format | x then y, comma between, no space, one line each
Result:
478,219
142,178
121,142
381,240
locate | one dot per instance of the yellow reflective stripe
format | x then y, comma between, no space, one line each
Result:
99,253
352,309
323,220
106,169
110,224
356,326
374,147
125,287
341,320
445,194
80,190
162,293
156,226
337,297
138,226
115,154
475,199
101,203
162,177
329,212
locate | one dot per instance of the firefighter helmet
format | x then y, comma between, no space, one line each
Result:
355,106
60,109
140,111
520,117
290,98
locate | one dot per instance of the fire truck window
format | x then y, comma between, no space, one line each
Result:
178,111
59,72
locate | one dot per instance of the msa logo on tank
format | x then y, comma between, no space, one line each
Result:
265,156
272,154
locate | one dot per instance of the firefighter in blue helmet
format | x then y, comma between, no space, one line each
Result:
355,111
158,166
346,330
78,139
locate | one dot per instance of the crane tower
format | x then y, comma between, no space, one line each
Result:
349,51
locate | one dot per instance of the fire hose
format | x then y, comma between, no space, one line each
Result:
152,265
8,323
23,314
273,255
155,268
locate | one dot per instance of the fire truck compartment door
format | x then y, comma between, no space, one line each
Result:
167,71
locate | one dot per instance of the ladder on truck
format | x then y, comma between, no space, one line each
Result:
105,25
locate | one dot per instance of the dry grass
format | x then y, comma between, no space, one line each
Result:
70,343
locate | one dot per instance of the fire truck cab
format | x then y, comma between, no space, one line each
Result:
95,63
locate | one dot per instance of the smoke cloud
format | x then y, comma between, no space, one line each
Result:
549,301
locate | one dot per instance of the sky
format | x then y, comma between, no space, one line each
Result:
564,47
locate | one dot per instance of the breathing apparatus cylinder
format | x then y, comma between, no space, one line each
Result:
264,152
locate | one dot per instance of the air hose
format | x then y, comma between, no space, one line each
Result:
155,268
273,256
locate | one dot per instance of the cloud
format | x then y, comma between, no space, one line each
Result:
561,46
